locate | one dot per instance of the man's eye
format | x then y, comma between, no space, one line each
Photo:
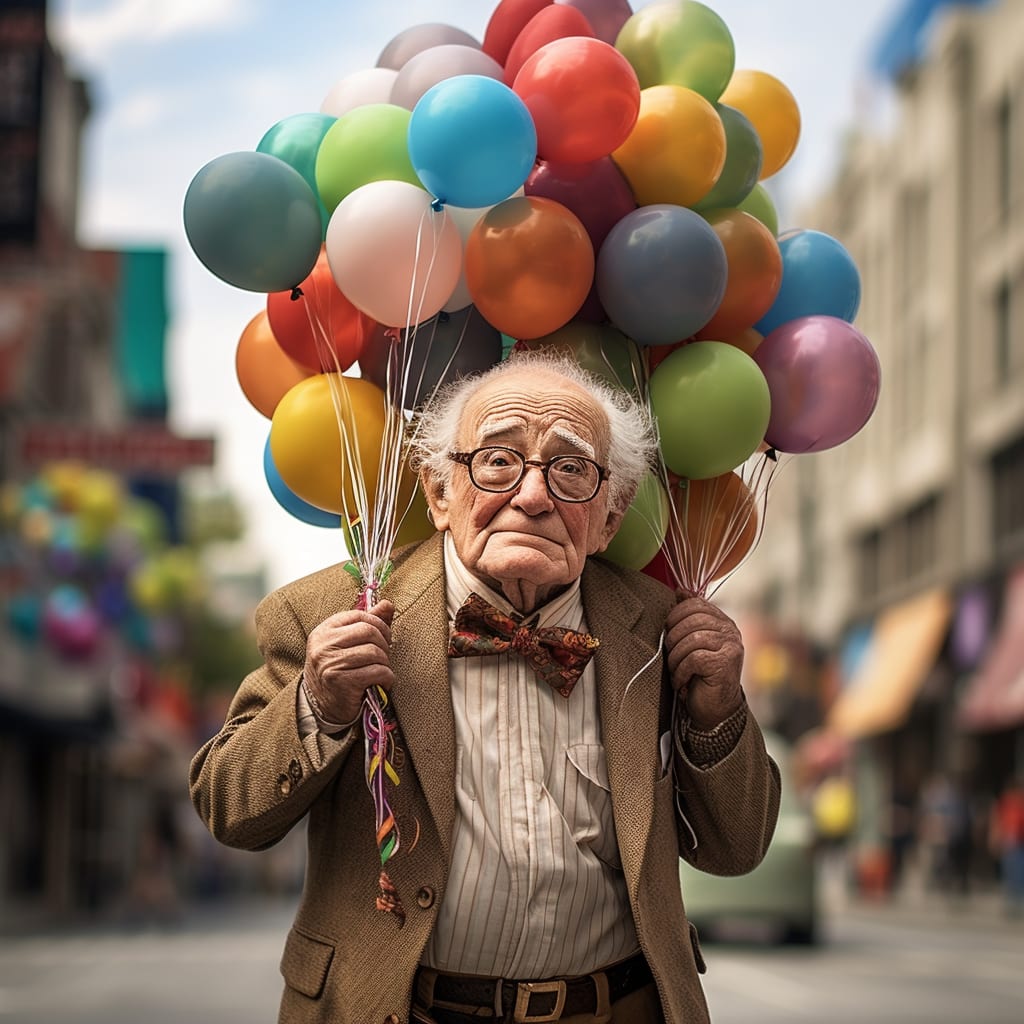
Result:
497,460
570,467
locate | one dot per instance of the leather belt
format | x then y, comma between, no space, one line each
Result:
531,1002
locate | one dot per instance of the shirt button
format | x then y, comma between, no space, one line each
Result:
425,897
284,784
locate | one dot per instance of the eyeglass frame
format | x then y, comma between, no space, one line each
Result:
466,459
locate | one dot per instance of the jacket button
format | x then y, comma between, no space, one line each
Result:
425,897
393,1019
284,784
295,771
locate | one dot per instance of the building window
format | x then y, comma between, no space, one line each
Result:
1008,496
1004,156
914,237
905,550
869,564
1002,322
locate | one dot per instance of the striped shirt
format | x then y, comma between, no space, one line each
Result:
536,886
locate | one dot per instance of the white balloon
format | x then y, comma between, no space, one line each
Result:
370,85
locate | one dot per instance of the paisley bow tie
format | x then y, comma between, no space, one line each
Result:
558,655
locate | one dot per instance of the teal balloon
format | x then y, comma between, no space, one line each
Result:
680,42
296,140
290,501
712,407
743,158
759,204
642,531
253,221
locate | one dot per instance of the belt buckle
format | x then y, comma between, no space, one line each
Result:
526,989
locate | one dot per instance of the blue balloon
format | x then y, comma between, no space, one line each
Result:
472,141
661,274
290,501
819,278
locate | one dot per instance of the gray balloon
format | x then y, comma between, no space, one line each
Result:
412,365
429,67
414,40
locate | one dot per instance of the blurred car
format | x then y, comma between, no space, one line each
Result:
778,900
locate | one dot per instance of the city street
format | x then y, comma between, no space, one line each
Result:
885,965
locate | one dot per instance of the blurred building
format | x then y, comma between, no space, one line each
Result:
81,381
901,553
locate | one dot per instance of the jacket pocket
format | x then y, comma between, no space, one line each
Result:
698,955
305,963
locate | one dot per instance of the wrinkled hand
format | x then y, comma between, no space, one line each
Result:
346,655
705,656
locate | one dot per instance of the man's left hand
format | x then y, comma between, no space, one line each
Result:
705,657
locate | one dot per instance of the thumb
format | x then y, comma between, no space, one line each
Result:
383,610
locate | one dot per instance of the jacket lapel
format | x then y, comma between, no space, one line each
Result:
629,679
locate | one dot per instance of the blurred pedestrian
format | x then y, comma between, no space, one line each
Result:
947,835
1007,838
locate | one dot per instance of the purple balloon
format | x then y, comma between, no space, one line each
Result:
824,377
606,17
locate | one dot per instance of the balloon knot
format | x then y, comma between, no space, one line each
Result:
443,317
437,205
297,293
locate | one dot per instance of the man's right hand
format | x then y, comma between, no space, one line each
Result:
346,655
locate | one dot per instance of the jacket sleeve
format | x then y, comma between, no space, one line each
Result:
728,810
254,780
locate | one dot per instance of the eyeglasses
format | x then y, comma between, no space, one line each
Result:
568,477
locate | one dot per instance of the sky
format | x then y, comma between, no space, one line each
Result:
175,85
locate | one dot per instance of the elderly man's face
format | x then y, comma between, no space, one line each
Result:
526,543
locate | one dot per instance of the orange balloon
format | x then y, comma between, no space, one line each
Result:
529,266
676,150
325,439
771,108
715,525
320,328
747,340
755,273
265,372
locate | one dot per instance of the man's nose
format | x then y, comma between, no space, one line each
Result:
532,495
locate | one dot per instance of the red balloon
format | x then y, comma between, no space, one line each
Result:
552,22
755,274
320,328
584,98
507,21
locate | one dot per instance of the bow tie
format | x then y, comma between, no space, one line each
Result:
558,655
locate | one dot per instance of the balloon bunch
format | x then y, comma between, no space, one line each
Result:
85,562
586,178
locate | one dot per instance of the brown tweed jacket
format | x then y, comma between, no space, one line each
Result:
346,963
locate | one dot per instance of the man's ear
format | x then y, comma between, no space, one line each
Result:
436,498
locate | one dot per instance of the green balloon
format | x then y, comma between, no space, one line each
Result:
296,140
712,405
682,42
600,348
759,204
743,157
253,221
366,144
643,527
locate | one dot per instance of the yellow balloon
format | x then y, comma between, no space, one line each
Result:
771,109
676,150
325,438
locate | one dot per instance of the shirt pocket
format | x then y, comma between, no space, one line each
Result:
587,805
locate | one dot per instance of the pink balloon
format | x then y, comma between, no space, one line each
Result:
359,89
606,17
429,67
392,255
823,376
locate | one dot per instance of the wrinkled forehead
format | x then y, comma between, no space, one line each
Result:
536,406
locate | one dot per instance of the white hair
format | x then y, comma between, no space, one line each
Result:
632,445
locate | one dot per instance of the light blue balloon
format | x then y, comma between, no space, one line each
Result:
472,141
819,278
290,501
661,274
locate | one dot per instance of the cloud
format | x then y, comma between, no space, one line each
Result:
94,32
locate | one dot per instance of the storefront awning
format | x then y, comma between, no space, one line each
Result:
994,698
904,646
